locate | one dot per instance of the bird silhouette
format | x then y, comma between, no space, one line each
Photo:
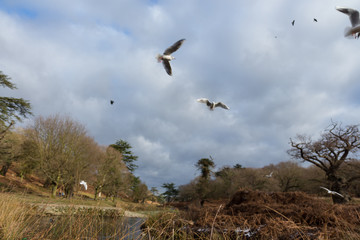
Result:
315,20
212,105
354,19
332,192
293,22
111,102
166,57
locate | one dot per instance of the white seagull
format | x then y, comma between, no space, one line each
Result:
354,19
166,56
332,192
212,105
269,175
84,184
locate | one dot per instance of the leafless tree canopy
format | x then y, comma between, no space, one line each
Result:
336,146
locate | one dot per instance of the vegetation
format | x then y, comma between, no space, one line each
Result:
127,156
58,150
335,148
11,110
21,220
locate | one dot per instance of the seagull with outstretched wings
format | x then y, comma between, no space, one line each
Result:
212,105
166,57
332,192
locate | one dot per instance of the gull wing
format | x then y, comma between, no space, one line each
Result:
167,66
352,13
174,47
338,194
204,100
325,189
220,104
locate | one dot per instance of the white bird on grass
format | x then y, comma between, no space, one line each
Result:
84,184
332,192
166,56
354,19
212,105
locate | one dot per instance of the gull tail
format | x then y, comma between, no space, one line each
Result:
348,32
352,31
159,57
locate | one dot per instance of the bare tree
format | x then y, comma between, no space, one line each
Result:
335,147
288,175
58,142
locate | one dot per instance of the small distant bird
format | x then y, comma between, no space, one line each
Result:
269,175
354,19
84,184
212,105
315,20
332,192
166,56
293,22
111,102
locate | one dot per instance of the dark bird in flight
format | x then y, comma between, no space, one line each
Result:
354,19
293,22
315,20
166,56
111,102
212,105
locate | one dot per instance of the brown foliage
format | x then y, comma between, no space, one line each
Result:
259,215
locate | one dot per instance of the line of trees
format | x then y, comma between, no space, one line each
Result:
283,177
59,150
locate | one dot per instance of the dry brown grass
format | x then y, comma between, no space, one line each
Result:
258,215
19,220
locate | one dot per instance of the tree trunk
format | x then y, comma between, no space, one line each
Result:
53,189
5,168
96,193
337,185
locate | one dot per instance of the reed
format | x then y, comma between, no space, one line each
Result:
19,220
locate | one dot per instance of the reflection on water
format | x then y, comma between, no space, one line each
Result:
102,228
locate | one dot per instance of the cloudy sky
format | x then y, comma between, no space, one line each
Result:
71,57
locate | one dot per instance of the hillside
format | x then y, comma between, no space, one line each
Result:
31,190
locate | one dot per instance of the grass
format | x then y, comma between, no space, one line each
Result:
22,220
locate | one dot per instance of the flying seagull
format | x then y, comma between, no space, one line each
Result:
166,56
111,102
269,175
332,192
315,20
212,105
293,22
354,19
84,184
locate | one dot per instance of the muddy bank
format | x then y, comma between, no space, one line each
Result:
59,209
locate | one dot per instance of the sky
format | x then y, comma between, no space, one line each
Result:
72,57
